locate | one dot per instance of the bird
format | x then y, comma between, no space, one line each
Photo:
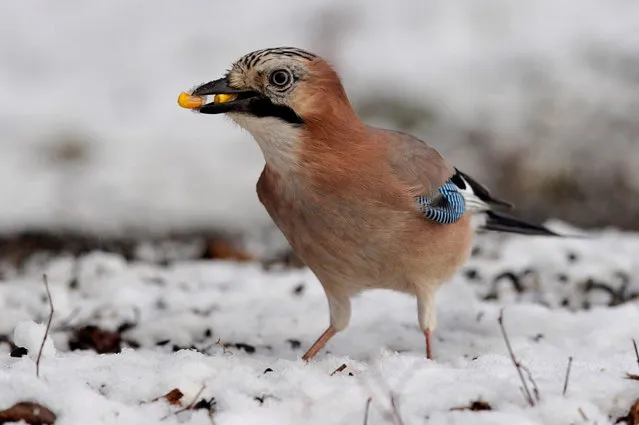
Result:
363,207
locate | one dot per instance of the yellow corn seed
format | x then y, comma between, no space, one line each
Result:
188,101
223,98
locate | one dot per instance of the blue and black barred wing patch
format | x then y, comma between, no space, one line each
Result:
447,208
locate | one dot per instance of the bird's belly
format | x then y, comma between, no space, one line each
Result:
364,247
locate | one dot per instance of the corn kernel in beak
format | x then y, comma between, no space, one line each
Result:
223,98
188,101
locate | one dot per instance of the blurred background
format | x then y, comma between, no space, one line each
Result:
539,99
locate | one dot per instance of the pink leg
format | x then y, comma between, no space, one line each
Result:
429,353
320,343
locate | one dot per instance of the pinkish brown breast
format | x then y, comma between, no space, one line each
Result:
357,231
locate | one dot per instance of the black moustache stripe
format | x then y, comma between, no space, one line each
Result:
262,107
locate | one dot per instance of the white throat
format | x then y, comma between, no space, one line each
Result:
278,140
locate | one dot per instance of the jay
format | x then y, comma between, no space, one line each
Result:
362,207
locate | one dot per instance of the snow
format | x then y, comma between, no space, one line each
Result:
91,140
29,335
235,332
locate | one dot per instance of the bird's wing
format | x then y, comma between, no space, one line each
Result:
417,165
442,192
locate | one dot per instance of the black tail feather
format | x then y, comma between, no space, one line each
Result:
479,190
500,222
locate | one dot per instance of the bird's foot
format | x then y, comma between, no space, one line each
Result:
320,343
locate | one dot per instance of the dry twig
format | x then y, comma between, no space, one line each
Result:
393,414
532,382
397,417
583,414
339,369
225,350
634,344
192,403
518,366
367,410
567,375
46,331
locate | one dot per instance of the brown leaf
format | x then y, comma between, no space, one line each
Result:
223,250
632,418
173,397
633,414
93,338
475,406
31,413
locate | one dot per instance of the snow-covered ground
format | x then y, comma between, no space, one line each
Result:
91,140
235,332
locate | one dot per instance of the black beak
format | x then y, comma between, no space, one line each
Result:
220,86
248,102
239,104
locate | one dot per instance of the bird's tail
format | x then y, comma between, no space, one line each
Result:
500,222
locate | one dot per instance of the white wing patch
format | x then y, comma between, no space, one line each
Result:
473,202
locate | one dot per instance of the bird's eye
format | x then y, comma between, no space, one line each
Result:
281,78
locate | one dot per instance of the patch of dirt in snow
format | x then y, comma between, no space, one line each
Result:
227,337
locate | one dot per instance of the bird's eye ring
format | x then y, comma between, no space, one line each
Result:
281,78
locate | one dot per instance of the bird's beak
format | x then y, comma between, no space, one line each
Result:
227,99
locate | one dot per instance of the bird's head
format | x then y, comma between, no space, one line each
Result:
276,94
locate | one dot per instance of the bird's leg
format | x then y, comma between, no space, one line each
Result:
427,317
429,352
321,342
340,310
